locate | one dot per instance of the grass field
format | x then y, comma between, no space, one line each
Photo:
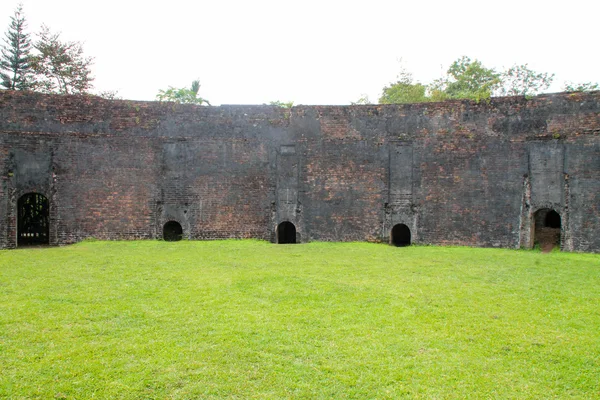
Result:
248,319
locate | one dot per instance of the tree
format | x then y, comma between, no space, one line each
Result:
283,104
581,87
404,90
61,67
469,79
519,80
183,95
466,79
402,93
15,70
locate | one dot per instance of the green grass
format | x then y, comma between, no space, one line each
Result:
248,319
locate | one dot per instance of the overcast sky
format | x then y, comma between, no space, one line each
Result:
313,52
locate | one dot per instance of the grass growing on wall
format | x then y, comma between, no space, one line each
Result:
249,319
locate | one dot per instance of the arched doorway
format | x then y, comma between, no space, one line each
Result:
400,235
172,231
286,233
547,227
552,219
33,215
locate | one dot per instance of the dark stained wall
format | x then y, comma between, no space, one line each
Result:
455,172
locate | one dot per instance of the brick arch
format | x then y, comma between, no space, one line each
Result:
172,231
547,226
400,235
286,233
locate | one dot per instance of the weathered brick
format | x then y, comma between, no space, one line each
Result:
455,172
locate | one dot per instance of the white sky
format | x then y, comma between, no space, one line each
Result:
313,52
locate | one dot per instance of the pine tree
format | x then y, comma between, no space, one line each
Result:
15,70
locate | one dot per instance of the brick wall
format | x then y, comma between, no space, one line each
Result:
455,172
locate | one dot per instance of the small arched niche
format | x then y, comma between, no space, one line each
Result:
286,233
547,228
172,231
400,235
33,220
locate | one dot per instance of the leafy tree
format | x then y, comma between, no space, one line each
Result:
469,79
466,79
404,91
581,87
519,80
61,67
183,95
16,72
284,104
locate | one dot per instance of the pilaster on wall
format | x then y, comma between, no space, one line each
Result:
546,168
526,217
288,206
30,170
400,208
545,186
176,201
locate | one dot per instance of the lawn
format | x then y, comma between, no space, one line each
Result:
249,319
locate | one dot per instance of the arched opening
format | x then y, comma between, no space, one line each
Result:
33,215
400,235
286,233
547,227
552,220
172,231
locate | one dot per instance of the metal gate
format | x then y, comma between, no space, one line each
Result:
32,222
